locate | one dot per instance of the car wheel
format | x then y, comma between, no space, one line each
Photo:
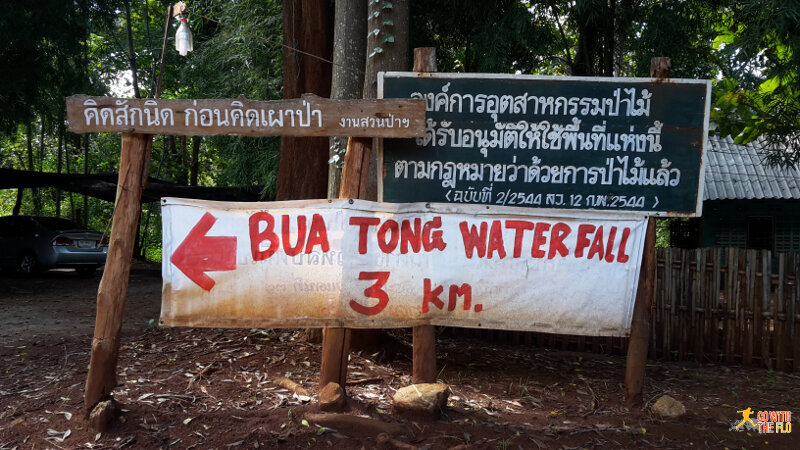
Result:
28,264
86,271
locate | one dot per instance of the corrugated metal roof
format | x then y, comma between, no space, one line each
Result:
736,171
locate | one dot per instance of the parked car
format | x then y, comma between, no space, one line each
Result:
30,244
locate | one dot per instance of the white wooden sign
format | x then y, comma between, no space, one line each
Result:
361,264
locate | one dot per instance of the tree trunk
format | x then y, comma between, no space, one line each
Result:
31,166
308,39
349,41
40,161
184,153
69,171
85,217
608,40
59,166
195,165
131,52
17,203
388,50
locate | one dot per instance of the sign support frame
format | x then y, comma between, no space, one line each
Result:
134,168
638,343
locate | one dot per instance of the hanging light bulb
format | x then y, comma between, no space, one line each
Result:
183,38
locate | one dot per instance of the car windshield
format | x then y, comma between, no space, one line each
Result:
55,223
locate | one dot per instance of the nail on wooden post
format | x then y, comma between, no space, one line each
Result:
424,336
111,295
640,325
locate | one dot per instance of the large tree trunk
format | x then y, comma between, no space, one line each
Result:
349,41
85,216
59,165
69,171
195,164
131,52
37,207
388,50
17,203
308,39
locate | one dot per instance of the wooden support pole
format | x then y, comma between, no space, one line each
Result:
111,295
424,354
640,325
335,353
336,341
424,336
356,168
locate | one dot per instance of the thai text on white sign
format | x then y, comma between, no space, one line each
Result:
359,264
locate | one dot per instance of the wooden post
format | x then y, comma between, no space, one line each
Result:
336,341
424,336
640,325
111,295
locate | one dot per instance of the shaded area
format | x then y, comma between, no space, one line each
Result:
104,186
212,388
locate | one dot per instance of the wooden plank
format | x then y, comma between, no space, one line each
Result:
730,294
766,258
795,315
684,316
715,305
739,305
112,292
699,305
662,302
779,316
309,115
755,282
668,303
749,315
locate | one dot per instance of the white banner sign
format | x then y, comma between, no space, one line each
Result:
358,264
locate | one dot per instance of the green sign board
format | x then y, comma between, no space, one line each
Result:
624,144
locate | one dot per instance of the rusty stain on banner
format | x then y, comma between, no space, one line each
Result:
361,264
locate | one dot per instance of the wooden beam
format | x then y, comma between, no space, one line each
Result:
112,293
424,336
336,341
309,115
640,325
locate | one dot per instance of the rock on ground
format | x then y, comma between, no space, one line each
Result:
421,399
668,407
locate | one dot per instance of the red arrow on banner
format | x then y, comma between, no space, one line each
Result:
199,253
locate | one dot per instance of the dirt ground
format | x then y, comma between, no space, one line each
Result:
209,388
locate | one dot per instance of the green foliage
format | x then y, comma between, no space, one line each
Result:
760,94
55,49
471,37
677,29
43,58
237,53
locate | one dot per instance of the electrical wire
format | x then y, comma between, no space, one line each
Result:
281,44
